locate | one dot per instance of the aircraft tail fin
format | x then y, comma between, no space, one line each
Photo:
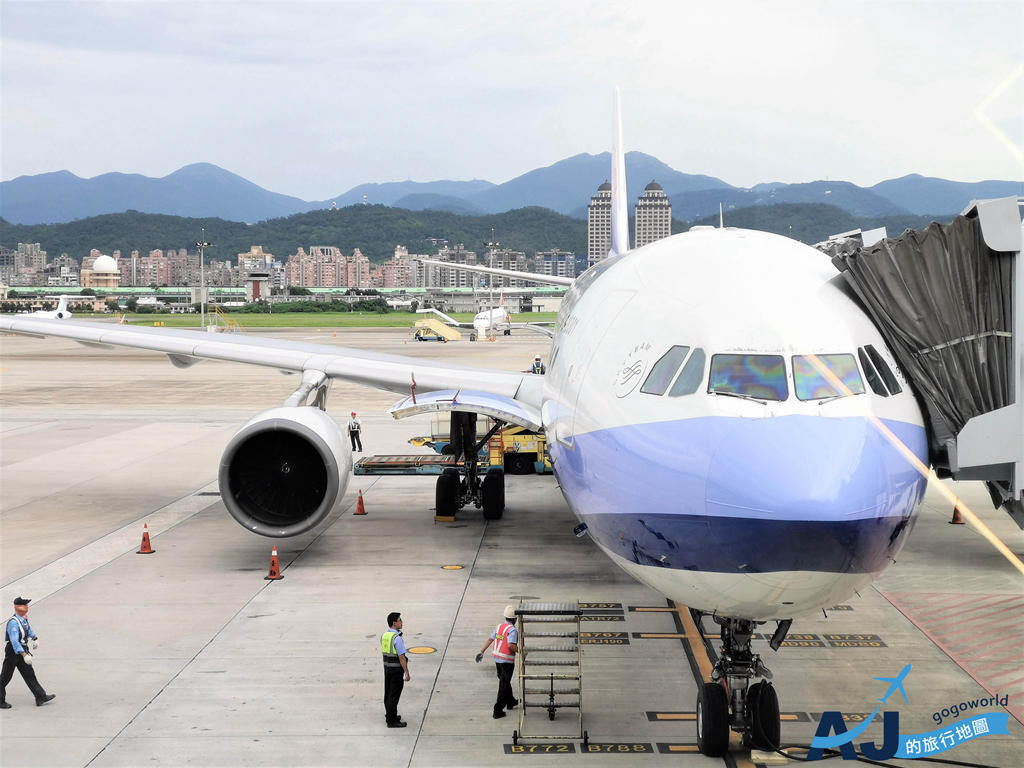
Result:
62,305
620,219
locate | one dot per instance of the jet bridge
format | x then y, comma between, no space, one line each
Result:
949,301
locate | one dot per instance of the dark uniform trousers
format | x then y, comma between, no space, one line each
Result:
357,441
505,695
393,684
14,661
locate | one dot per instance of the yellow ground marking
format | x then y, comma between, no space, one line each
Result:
421,649
660,635
692,635
682,748
452,567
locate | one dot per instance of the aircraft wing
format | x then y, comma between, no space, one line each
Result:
393,373
534,277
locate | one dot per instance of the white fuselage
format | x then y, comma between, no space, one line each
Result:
752,509
491,320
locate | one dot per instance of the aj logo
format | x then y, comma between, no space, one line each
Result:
834,723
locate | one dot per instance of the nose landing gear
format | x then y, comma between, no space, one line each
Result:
731,702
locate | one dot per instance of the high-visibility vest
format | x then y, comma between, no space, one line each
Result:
22,631
501,652
387,647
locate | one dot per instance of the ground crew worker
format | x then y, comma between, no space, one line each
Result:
538,366
504,643
396,669
19,636
354,433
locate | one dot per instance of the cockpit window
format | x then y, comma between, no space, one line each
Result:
664,371
762,377
874,380
884,370
693,373
810,382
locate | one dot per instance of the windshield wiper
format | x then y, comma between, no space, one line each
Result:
740,395
830,398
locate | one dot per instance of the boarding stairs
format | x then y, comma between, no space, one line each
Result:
550,668
437,327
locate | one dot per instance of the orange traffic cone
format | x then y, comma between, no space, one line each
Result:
360,509
957,517
146,548
275,568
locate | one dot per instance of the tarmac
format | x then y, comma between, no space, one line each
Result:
189,657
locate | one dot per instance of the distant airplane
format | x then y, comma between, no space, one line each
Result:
722,415
897,685
60,313
490,322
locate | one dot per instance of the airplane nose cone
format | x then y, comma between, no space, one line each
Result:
810,493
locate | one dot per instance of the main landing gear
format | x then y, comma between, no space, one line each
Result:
483,490
731,701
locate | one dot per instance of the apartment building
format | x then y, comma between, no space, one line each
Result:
555,262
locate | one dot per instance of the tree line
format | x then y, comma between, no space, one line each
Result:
376,229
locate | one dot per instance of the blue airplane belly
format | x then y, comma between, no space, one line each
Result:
731,495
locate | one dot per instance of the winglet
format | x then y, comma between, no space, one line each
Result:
620,220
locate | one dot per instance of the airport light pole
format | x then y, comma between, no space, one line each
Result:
492,245
202,245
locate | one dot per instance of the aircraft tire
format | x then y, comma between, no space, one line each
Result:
712,720
763,709
520,463
492,494
446,495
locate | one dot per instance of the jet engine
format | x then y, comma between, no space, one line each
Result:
285,470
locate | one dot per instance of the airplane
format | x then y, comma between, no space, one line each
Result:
712,407
488,322
60,313
896,685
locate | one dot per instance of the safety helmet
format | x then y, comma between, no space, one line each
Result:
510,612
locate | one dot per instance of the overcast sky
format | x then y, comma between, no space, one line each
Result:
310,99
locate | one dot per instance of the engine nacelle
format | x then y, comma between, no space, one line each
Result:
285,470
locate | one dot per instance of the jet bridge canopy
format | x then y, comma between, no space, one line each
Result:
949,301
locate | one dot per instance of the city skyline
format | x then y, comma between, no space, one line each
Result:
311,99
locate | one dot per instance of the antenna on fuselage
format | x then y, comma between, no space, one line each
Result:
620,220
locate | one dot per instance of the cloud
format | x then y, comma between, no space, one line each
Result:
312,98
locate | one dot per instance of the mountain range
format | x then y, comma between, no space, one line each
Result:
206,190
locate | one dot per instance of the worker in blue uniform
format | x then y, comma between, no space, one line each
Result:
19,637
396,669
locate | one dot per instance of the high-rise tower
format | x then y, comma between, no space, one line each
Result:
599,225
653,215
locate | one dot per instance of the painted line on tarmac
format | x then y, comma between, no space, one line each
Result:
51,578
